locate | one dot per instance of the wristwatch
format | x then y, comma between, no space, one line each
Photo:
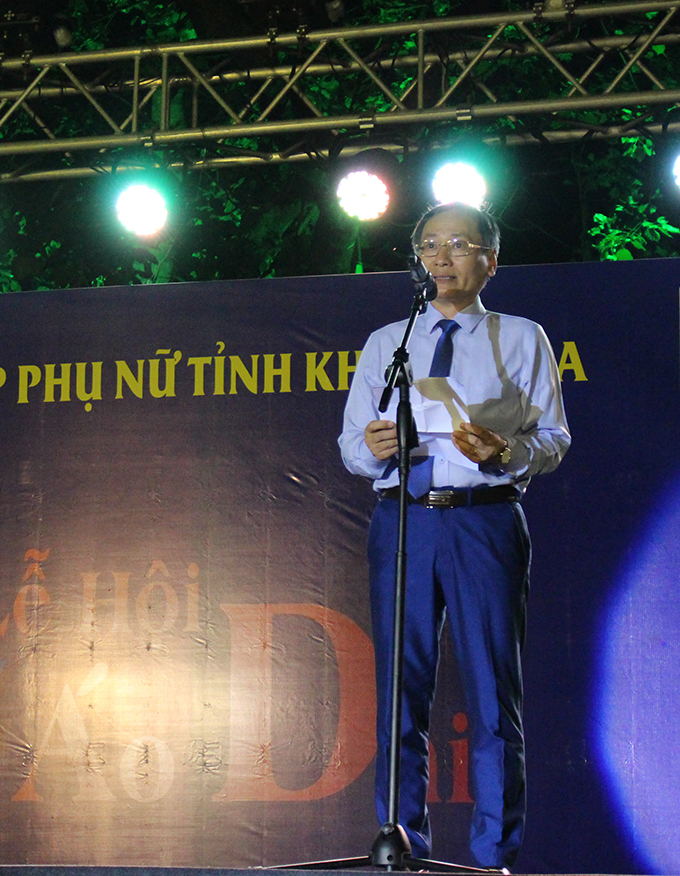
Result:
506,454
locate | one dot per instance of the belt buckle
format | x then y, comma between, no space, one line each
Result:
439,499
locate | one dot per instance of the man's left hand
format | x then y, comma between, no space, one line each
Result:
477,443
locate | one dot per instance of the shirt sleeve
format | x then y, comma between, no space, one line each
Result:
361,409
542,436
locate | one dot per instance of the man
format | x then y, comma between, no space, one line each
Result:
488,409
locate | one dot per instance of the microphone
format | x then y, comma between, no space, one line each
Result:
422,278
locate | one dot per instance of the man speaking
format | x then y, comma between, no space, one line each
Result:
488,409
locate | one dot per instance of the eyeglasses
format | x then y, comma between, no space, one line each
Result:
455,246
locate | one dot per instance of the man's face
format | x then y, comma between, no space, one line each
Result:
459,279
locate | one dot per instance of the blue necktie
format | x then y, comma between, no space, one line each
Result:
420,478
443,353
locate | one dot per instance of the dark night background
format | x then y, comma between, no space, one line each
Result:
283,220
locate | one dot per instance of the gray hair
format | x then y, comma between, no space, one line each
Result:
486,224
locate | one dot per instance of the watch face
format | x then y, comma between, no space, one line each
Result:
506,455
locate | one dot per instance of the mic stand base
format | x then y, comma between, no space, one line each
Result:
391,847
408,864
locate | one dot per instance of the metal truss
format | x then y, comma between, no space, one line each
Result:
540,75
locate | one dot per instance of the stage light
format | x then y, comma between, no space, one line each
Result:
363,195
459,182
676,171
367,183
335,10
142,210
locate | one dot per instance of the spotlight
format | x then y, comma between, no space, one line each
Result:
62,35
335,10
363,195
369,183
459,182
142,210
676,171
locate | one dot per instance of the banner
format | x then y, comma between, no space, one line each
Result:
185,655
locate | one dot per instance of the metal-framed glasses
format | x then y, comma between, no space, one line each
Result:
455,246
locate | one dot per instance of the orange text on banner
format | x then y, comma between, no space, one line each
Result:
250,774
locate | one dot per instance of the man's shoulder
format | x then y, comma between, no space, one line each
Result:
511,320
389,330
423,324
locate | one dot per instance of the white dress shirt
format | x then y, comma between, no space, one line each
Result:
503,377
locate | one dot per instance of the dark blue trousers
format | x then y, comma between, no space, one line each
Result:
471,563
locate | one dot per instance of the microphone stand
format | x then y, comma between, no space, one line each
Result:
391,848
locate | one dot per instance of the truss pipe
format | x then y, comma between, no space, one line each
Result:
469,22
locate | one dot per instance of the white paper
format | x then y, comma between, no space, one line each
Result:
439,406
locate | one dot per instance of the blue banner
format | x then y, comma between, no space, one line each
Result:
187,675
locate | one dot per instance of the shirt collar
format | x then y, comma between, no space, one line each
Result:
468,319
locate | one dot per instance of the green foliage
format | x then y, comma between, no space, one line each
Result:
634,227
378,12
44,270
48,249
12,227
8,282
102,24
218,204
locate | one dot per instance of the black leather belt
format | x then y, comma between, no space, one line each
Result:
459,497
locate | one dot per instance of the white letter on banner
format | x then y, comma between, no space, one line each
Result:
77,748
147,769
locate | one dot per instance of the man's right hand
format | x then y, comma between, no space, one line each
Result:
381,438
